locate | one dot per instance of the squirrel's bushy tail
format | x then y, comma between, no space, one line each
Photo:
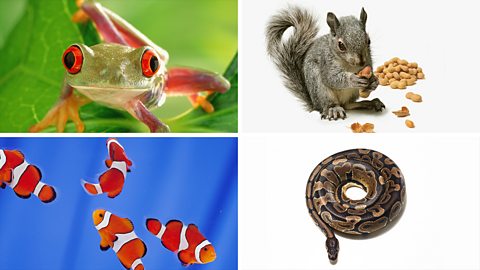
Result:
289,55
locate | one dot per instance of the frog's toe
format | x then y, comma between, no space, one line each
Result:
80,17
205,104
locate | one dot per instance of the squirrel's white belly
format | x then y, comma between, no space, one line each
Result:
346,96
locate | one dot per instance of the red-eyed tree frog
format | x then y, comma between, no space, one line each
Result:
128,72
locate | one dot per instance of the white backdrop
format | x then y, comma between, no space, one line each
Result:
438,230
442,36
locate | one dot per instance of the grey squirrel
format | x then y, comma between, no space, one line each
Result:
321,71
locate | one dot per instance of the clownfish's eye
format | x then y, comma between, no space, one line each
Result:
101,215
150,64
73,59
205,248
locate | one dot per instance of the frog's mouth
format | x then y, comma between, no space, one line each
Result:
112,97
110,89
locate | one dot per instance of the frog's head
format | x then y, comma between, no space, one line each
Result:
113,67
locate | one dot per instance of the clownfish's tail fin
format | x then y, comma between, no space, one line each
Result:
154,226
45,192
92,189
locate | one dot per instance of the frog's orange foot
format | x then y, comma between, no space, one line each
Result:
202,101
80,16
58,116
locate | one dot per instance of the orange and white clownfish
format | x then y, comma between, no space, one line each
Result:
117,233
116,153
187,241
111,181
23,177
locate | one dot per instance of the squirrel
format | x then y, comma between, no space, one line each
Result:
322,71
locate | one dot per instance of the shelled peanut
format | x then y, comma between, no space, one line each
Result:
399,73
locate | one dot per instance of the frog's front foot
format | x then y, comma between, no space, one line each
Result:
138,110
67,108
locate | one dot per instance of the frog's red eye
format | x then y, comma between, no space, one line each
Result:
150,63
73,59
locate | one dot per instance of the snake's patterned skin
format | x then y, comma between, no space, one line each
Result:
332,210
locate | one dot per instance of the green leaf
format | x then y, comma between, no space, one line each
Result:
31,76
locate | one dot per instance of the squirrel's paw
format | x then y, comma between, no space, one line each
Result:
334,113
377,105
358,82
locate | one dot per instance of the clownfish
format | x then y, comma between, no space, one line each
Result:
111,181
187,241
116,153
117,233
23,177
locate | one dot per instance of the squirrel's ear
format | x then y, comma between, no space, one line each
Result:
363,18
333,22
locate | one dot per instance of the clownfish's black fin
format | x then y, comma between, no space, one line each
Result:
145,249
23,196
104,248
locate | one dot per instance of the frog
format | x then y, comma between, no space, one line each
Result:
127,71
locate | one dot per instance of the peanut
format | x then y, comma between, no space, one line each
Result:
396,76
414,97
402,112
394,84
359,128
399,73
411,81
364,93
412,65
409,123
404,75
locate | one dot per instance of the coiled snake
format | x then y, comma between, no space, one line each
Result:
331,209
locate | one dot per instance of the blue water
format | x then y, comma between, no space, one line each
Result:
190,179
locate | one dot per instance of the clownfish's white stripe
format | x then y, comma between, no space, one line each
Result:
183,239
136,263
199,248
98,188
113,141
121,166
38,188
3,159
123,238
17,173
105,221
161,232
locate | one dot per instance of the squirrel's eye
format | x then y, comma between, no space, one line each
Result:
73,59
368,40
150,63
342,47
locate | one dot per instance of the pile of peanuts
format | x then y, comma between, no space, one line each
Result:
399,73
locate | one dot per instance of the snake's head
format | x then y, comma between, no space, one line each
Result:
332,248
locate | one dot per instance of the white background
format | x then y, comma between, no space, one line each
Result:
442,36
438,230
